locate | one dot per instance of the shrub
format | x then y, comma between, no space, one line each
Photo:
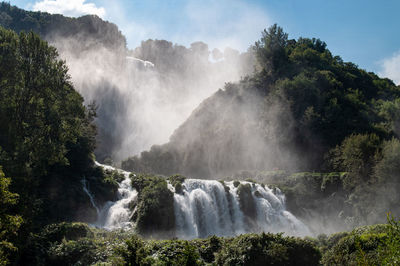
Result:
133,253
366,245
356,155
353,249
389,250
9,224
79,252
268,249
62,244
176,252
388,168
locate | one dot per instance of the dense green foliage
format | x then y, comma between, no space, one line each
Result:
71,244
47,136
9,224
356,155
368,245
389,250
41,114
47,140
268,249
77,244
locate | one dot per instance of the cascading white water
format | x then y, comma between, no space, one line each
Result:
116,215
87,191
208,208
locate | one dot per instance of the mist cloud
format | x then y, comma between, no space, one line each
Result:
143,95
72,8
391,68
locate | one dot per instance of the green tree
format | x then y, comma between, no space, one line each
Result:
270,50
387,178
46,134
387,169
357,156
9,223
41,113
389,250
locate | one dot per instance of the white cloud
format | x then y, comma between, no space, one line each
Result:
72,8
233,23
391,67
134,31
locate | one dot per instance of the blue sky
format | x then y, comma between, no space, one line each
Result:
365,32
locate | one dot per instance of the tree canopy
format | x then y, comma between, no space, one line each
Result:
41,114
46,136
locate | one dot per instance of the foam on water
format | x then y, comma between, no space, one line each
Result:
208,207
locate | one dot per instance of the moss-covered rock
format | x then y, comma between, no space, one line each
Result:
257,194
247,204
155,207
103,184
177,181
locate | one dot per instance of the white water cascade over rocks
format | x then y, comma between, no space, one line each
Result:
91,197
208,207
117,215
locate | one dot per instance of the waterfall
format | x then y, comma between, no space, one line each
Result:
87,191
211,208
116,214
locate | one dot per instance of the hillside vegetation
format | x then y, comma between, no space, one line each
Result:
301,103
